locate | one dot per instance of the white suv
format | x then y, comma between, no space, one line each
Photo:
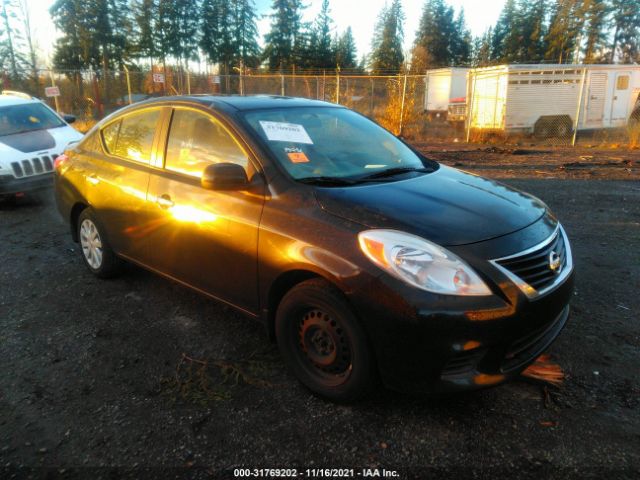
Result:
32,135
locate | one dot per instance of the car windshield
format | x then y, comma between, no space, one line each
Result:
27,117
326,144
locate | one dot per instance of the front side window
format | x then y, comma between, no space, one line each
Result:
197,140
132,136
327,142
27,117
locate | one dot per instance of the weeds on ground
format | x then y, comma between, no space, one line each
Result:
395,111
203,382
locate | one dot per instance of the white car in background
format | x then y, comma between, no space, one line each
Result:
32,135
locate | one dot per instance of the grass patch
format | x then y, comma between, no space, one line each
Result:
203,382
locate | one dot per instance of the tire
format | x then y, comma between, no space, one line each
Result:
543,129
564,129
322,342
94,247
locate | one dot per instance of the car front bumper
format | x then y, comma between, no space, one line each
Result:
9,185
429,343
457,346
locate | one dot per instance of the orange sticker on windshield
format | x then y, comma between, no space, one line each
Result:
297,157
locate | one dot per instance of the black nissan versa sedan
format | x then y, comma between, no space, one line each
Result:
364,259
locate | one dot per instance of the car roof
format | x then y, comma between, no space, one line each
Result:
248,102
8,100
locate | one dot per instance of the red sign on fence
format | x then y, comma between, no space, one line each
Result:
52,92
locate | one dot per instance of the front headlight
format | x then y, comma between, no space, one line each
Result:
421,263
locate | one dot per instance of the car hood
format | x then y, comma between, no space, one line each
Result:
39,140
448,206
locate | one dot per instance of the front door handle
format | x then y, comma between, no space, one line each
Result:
164,201
93,179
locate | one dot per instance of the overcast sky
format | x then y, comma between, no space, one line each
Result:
359,14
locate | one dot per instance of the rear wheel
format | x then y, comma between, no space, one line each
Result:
96,251
322,342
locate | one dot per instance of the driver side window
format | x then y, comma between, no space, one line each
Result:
196,140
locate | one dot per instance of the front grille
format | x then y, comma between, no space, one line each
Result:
540,267
528,347
34,166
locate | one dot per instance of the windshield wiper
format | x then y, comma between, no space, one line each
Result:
328,181
390,172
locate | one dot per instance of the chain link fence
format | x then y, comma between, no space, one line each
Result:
514,104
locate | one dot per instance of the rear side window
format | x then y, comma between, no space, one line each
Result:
132,137
197,140
110,136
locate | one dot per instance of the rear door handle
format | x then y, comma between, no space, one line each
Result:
164,201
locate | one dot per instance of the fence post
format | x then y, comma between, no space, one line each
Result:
373,91
53,84
579,107
126,73
324,79
404,93
317,89
338,85
471,93
188,81
282,90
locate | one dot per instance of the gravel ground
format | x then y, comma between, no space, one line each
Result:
138,377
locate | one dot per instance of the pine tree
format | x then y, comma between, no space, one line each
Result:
217,38
564,31
75,49
387,55
506,34
144,46
286,41
482,49
460,42
596,13
245,33
346,51
533,21
182,30
441,39
321,52
161,30
625,45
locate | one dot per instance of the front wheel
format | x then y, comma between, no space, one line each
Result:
96,251
322,342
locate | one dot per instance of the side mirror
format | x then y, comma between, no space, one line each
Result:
224,176
69,118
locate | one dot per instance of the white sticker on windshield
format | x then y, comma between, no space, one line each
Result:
285,132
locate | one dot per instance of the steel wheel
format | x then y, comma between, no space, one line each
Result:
91,243
322,342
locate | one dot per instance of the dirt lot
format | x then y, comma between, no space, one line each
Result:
102,379
524,160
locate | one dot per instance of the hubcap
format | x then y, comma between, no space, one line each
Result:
91,243
324,343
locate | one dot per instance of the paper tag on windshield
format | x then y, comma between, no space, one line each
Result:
285,132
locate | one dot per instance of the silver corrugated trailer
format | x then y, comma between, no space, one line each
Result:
546,99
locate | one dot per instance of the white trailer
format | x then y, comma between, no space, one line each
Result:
443,84
547,99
